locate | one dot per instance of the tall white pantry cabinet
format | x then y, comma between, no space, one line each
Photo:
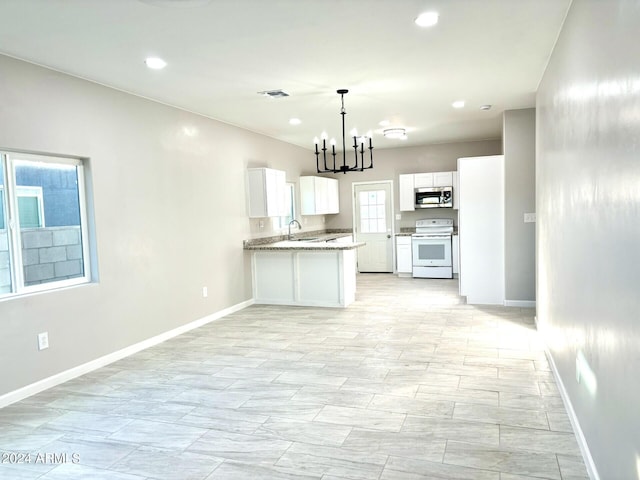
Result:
481,229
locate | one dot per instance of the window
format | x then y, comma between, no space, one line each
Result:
372,216
290,202
43,228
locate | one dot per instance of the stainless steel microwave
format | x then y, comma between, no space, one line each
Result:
434,197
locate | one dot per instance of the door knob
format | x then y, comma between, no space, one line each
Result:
388,236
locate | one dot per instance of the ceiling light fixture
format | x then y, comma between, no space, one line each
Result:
458,104
274,93
344,168
485,107
295,121
395,133
427,19
155,63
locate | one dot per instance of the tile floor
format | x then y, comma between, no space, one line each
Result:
408,383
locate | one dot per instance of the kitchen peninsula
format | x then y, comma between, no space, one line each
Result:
314,271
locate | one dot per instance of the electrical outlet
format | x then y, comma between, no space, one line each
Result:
261,224
43,340
398,216
205,292
529,218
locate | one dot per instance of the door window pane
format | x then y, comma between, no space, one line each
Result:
372,211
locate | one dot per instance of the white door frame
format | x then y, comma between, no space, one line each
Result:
393,215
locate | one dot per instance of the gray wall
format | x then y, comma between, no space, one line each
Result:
520,197
588,231
169,200
391,162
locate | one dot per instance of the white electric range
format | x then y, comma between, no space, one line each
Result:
431,248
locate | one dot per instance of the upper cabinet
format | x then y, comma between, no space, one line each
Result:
267,192
319,196
407,183
407,197
433,179
456,192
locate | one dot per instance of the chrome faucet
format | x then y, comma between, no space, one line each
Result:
292,222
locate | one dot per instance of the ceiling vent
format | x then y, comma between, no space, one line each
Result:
274,93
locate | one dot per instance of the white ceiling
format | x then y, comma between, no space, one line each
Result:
220,53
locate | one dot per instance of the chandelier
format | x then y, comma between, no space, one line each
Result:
357,142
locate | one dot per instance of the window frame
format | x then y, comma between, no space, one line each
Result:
283,222
8,161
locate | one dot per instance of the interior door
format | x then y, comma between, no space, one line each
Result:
373,226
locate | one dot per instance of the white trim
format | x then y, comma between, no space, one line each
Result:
520,303
592,471
58,378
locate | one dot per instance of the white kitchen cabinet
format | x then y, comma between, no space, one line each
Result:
455,254
442,179
421,180
266,192
404,264
333,196
319,195
304,277
406,192
481,229
456,193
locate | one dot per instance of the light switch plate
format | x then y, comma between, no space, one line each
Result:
529,218
43,340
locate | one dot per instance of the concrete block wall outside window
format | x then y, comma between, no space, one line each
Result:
52,250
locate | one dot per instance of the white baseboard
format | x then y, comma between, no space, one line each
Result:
520,303
58,378
592,471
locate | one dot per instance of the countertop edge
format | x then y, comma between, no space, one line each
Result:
305,246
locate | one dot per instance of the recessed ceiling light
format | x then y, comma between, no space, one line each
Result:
295,121
427,19
155,63
485,107
458,104
384,123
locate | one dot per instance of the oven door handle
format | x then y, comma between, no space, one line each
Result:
433,237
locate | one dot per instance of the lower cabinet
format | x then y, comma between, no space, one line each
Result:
318,278
455,254
404,264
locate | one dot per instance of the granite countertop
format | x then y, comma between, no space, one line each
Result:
309,245
308,241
